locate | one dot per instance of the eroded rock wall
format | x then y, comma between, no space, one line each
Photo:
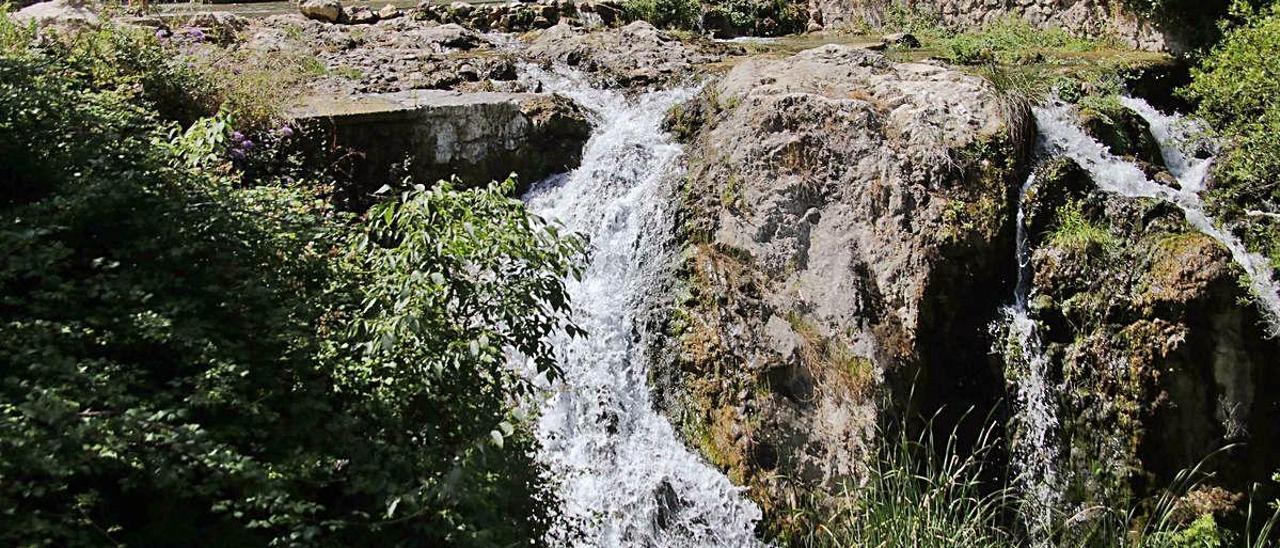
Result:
1160,358
847,232
378,139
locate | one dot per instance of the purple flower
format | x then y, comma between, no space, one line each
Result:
237,154
196,35
285,131
246,144
161,34
237,136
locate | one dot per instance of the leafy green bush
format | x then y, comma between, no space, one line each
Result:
192,355
668,14
1009,40
1237,87
721,17
754,17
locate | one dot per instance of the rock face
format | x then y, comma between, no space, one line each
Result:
847,221
392,55
58,12
329,11
523,16
432,135
637,54
1089,18
1144,328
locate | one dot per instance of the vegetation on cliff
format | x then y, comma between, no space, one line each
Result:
1237,88
198,348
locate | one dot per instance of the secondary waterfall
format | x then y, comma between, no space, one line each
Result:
1035,450
626,479
1035,453
1061,135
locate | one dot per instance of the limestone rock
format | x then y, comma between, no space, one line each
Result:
449,35
1165,363
1086,18
845,219
637,54
901,40
58,13
361,15
389,12
329,11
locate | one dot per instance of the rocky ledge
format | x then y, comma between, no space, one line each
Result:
432,135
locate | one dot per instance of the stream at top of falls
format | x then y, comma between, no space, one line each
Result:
622,473
1059,134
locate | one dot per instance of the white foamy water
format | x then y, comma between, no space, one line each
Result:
1061,135
1035,452
624,473
1179,143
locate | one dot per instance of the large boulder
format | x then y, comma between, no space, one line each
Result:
431,135
637,54
1143,328
58,13
329,11
847,231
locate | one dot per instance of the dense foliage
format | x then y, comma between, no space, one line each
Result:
192,353
1238,89
723,18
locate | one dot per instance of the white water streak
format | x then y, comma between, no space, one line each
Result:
1037,420
1060,134
624,473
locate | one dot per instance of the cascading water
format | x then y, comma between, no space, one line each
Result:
1035,452
1061,135
625,478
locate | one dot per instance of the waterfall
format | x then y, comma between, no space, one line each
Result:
1060,134
1035,452
1178,139
625,478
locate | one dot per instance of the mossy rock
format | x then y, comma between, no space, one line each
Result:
1122,130
1058,181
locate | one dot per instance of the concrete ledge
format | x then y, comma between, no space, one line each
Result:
428,135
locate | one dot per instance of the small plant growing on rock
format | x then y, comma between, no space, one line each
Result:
1075,231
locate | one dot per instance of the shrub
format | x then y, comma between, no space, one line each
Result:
1009,40
1237,86
193,355
669,14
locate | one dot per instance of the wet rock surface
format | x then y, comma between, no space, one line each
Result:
844,215
1145,327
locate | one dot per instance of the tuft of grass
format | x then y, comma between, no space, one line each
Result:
830,361
1075,231
919,492
348,72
